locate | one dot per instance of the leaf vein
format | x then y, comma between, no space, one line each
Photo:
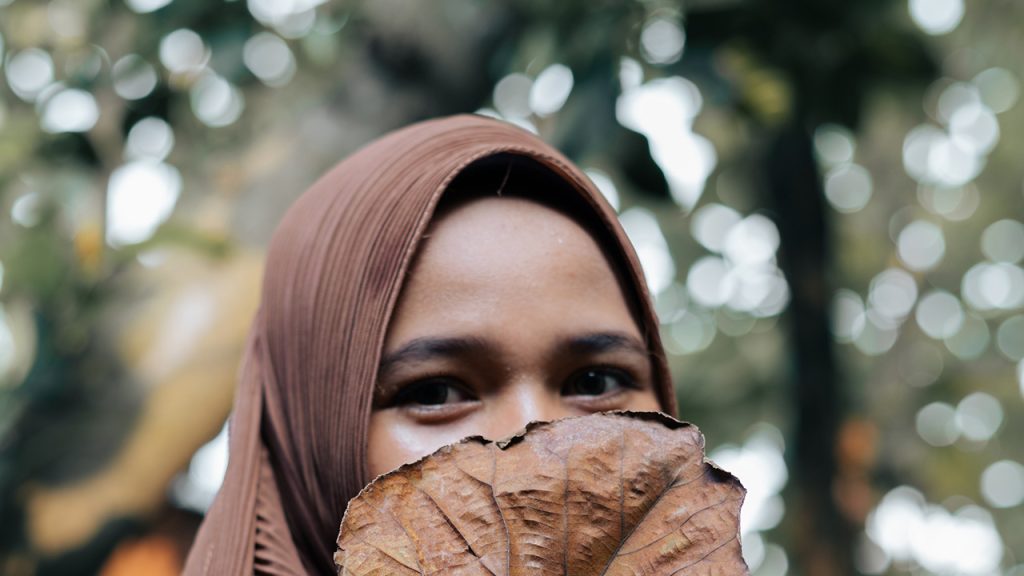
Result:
672,485
684,523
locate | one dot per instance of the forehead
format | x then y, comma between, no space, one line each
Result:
503,237
503,192
511,259
510,220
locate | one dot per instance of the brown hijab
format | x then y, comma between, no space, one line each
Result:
334,270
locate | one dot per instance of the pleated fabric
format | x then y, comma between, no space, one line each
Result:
334,270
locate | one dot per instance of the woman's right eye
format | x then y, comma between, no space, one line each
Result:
430,393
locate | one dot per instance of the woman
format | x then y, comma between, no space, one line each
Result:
456,277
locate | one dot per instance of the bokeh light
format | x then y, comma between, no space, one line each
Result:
25,210
183,51
953,97
1002,484
550,90
644,232
708,282
952,163
908,529
144,6
974,128
605,185
662,40
877,334
893,293
939,314
631,73
954,204
18,343
292,18
215,101
848,187
70,110
775,561
937,16
979,416
298,24
691,330
86,65
931,156
745,277
998,88
1020,376
764,292
1010,338
1003,241
6,343
751,241
833,145
269,58
663,110
711,223
847,316
150,138
921,245
936,424
971,340
134,78
29,72
512,96
197,488
760,466
140,197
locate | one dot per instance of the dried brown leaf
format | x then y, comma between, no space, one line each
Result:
617,494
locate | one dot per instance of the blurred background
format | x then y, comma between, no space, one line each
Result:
827,197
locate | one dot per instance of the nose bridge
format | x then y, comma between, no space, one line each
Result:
523,401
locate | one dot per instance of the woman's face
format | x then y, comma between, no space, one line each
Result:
511,313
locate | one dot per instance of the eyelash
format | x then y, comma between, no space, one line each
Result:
625,379
405,397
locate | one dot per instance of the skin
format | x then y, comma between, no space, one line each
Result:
511,313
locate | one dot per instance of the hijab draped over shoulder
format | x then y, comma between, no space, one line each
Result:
335,266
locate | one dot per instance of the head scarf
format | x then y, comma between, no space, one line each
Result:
335,267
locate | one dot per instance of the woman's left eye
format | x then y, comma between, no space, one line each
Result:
431,393
597,382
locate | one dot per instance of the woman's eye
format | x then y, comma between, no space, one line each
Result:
430,393
597,381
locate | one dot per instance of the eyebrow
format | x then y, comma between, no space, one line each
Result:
430,348
599,342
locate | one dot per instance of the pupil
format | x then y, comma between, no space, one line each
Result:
593,384
432,393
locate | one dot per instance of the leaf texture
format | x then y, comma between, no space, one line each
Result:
621,493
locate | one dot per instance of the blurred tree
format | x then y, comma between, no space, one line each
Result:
823,59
